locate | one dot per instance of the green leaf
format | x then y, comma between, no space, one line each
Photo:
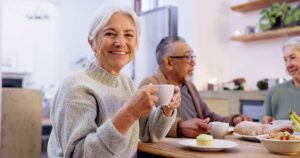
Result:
288,20
272,20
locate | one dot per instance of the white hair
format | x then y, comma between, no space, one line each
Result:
104,14
294,42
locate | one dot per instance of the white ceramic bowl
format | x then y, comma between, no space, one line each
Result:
280,146
297,134
282,122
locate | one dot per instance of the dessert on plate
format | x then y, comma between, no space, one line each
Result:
204,140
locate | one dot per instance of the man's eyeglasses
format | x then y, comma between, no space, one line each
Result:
187,57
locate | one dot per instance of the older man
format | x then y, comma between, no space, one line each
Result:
176,64
286,96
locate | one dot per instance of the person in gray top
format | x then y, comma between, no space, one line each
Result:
286,96
97,113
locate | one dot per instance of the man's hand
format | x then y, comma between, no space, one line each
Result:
193,127
241,118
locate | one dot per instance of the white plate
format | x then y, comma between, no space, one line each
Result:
246,137
282,122
217,145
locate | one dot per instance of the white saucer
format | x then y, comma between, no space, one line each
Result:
246,137
217,145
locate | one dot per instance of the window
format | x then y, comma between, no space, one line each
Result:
253,108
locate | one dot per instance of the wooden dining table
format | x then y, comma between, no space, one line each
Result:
169,147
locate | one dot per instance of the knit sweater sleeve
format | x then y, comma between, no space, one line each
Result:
156,125
173,129
75,127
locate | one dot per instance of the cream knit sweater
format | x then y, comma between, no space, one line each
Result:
81,117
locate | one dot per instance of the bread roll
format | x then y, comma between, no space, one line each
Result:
254,129
249,128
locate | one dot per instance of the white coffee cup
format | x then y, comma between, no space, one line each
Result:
165,93
219,129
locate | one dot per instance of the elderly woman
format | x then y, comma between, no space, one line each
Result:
96,112
286,96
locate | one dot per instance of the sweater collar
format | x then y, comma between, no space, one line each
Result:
99,74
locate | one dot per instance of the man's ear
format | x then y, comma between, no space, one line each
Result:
167,63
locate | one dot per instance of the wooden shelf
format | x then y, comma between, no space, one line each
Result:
268,34
258,4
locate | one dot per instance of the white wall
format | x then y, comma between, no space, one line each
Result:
75,18
31,41
255,60
48,48
207,27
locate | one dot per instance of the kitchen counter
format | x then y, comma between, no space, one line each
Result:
228,102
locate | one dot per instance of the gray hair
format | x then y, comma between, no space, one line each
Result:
295,42
104,14
164,45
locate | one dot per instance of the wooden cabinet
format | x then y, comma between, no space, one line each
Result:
228,102
218,105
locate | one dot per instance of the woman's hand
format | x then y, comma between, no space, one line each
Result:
174,104
140,104
142,101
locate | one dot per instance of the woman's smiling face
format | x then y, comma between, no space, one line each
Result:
116,43
291,56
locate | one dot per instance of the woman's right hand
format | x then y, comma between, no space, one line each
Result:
138,105
142,101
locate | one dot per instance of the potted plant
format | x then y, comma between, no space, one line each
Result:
273,17
292,18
